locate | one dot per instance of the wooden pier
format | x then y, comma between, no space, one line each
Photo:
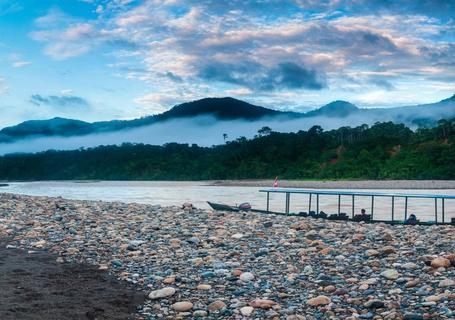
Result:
438,198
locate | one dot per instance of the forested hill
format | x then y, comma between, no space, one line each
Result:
383,151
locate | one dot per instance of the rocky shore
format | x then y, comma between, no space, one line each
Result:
215,265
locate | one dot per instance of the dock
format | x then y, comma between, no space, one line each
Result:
439,199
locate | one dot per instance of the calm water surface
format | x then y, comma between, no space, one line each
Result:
176,193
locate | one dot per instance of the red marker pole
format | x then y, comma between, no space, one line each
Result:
275,184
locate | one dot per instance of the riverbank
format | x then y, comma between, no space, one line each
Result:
34,286
228,265
342,184
311,184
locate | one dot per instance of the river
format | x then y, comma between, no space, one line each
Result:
175,193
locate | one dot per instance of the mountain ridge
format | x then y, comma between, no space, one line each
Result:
226,108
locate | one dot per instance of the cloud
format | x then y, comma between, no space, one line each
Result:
267,47
66,92
63,50
54,17
286,75
238,92
64,101
382,83
207,131
293,76
20,64
65,36
160,102
441,56
131,20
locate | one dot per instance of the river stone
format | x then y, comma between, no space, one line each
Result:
372,253
412,316
162,293
412,283
268,224
318,301
446,283
390,274
72,251
39,244
432,298
246,276
169,280
200,314
374,304
409,265
388,250
204,287
364,286
216,305
246,311
262,303
370,281
182,306
440,262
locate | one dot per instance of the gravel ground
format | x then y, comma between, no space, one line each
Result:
219,265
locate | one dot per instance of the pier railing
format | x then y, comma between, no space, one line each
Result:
353,194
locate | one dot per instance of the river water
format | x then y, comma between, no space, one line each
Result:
176,193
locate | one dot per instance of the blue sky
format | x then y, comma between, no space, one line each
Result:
101,59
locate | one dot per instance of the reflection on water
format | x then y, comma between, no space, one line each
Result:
175,193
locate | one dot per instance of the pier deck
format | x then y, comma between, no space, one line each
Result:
438,199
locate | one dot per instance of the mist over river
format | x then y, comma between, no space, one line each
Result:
167,193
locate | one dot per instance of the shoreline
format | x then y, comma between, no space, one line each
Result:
263,183
200,263
342,184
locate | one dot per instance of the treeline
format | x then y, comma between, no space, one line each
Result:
382,151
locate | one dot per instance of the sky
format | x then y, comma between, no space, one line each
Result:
121,59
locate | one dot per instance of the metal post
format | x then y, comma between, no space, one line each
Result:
443,212
268,199
317,203
339,203
288,200
393,208
309,205
372,206
406,208
436,210
352,206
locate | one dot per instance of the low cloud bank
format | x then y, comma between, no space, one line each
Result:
204,131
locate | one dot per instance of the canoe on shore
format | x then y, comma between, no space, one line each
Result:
223,207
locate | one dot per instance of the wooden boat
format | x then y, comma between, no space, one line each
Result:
223,207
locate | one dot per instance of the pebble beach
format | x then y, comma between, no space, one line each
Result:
218,265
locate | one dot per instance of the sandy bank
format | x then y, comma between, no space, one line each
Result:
33,286
343,184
